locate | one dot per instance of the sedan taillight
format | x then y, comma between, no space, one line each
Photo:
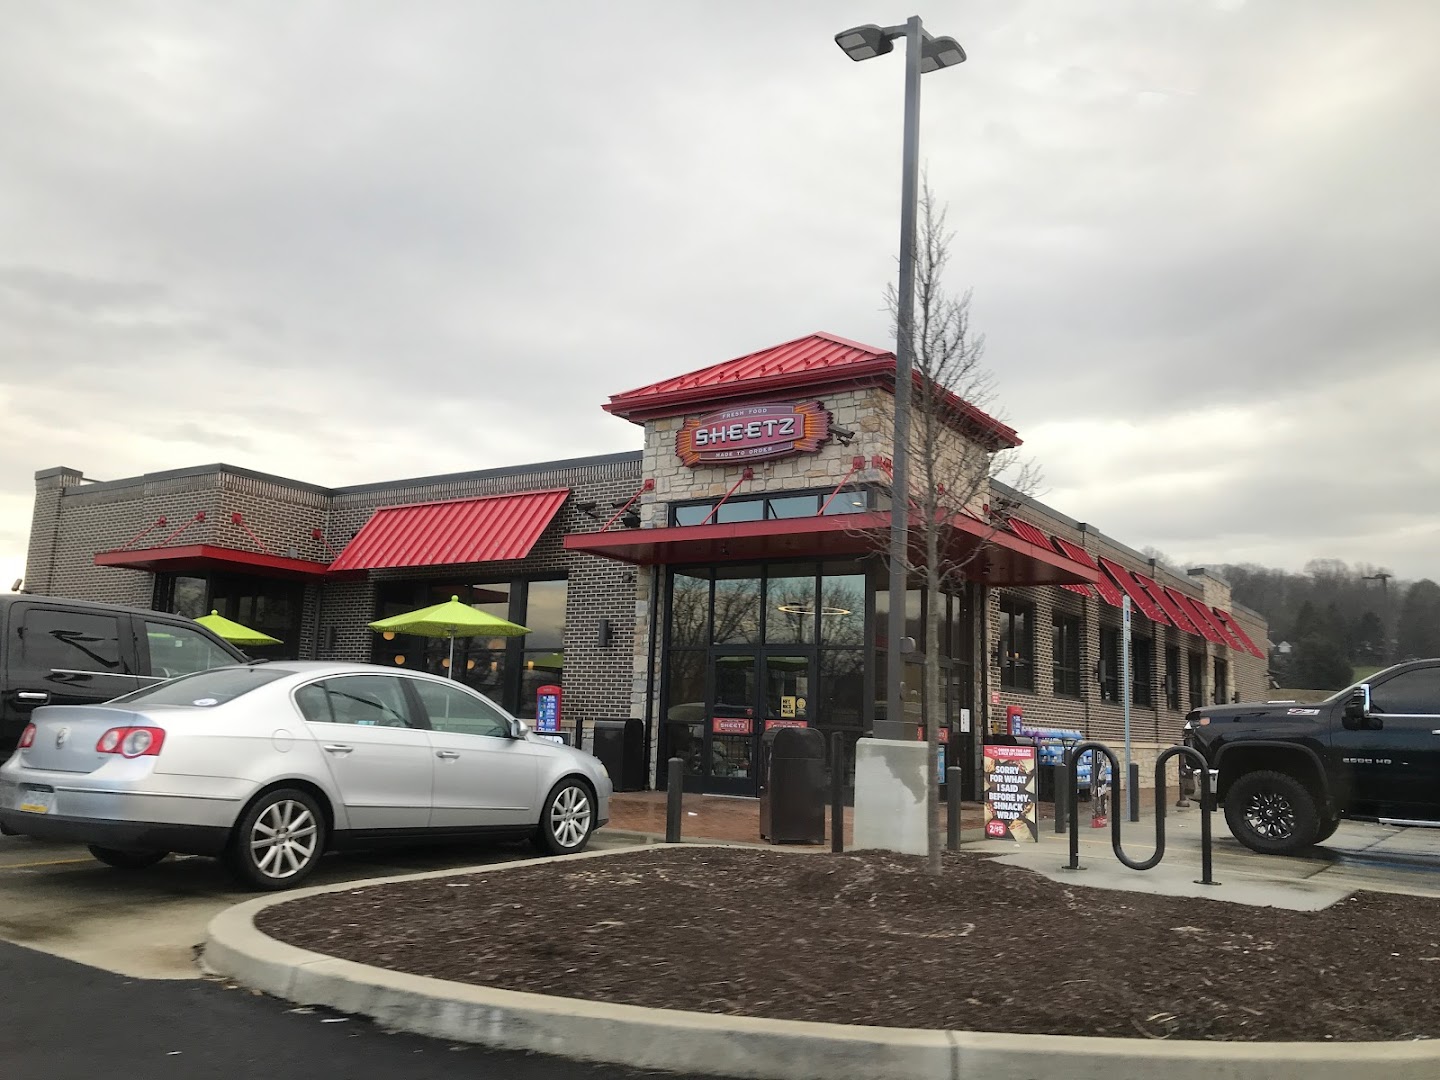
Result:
131,742
27,737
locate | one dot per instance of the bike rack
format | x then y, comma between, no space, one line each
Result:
1202,767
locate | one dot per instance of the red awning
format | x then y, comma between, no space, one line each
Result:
1230,623
1198,616
1108,592
495,528
1172,609
1026,531
1138,596
1231,638
1004,560
187,558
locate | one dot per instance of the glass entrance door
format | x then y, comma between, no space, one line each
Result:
788,685
731,733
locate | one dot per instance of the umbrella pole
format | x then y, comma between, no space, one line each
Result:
451,668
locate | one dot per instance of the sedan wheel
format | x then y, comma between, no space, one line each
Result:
569,818
279,840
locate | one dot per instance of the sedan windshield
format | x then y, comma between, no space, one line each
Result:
206,689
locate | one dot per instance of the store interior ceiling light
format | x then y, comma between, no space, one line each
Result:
809,609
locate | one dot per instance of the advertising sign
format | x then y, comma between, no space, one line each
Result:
547,708
1010,809
753,433
731,725
786,723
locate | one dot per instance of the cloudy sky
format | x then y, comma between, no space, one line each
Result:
299,236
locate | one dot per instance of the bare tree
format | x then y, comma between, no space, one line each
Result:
954,452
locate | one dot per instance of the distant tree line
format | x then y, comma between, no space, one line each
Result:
1336,617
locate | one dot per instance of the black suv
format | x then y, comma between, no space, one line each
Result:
1288,772
72,652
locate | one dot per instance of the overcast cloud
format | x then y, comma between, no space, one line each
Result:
295,236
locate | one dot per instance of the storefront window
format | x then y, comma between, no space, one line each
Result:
690,608
1172,677
1066,649
737,605
746,510
1197,680
790,606
269,605
842,688
543,660
792,506
1142,669
1017,644
1109,663
685,706
1222,678
842,604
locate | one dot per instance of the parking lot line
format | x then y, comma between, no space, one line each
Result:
47,862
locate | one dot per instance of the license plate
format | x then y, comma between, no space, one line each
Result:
37,801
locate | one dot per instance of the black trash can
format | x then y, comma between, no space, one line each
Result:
794,786
620,746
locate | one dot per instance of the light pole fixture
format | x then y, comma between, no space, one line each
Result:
923,53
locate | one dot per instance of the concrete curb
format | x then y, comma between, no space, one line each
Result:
739,1046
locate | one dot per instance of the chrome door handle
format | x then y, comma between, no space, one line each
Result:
338,748
32,695
1436,731
447,755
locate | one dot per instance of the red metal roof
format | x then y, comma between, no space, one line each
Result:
1232,624
1174,610
810,364
495,528
1026,531
1004,560
1198,615
1141,599
1108,592
190,557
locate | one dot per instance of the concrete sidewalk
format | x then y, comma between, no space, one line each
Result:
1376,858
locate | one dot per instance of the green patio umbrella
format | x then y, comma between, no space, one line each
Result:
451,619
234,632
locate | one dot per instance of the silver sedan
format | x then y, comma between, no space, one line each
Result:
269,766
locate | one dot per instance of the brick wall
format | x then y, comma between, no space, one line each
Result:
75,520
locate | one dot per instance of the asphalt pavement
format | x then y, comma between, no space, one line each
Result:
66,1021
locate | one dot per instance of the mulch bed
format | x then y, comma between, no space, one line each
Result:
870,938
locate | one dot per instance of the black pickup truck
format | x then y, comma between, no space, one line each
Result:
1287,773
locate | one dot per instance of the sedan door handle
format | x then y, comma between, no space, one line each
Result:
447,755
338,748
1436,731
39,696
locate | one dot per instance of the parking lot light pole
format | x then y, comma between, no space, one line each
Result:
923,54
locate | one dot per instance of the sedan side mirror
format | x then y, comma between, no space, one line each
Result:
1357,708
520,729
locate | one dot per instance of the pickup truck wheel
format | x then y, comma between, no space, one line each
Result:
1272,813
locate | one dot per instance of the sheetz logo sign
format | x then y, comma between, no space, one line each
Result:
753,432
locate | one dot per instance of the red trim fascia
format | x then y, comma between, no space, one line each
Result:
1123,578
199,556
838,534
848,376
